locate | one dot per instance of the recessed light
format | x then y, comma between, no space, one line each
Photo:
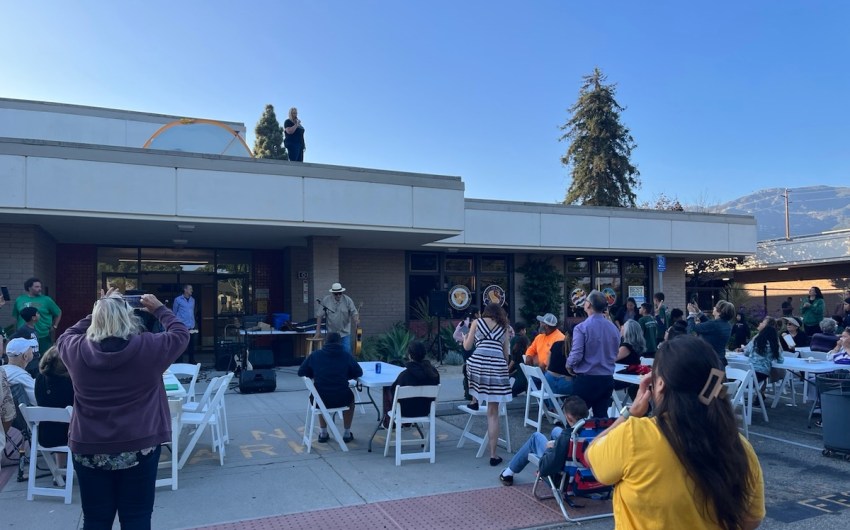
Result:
725,279
783,268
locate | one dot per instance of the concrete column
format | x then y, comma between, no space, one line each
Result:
324,266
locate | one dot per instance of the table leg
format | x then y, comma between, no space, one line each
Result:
378,410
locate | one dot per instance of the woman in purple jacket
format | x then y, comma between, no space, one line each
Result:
120,408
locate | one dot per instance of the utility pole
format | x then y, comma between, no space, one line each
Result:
787,218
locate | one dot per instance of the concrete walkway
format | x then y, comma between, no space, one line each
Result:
267,474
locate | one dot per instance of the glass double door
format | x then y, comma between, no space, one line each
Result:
217,299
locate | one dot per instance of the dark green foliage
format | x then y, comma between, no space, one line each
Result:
389,347
268,137
600,148
541,289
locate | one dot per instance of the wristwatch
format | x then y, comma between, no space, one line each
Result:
625,412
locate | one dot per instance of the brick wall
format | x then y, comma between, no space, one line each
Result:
674,283
323,253
25,251
375,278
76,282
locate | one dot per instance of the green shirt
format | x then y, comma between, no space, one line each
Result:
47,311
813,314
650,332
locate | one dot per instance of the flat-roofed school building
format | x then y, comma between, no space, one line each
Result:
84,205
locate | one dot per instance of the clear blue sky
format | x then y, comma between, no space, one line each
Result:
723,98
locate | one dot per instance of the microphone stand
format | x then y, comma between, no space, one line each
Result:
326,310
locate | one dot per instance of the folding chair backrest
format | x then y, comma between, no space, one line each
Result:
187,369
740,365
647,361
413,392
212,387
532,372
220,389
35,415
743,379
317,399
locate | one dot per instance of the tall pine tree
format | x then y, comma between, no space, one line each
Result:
268,137
600,148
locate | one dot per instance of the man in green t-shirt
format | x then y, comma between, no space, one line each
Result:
48,313
650,329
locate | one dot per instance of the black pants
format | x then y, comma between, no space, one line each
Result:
129,492
596,391
189,353
295,152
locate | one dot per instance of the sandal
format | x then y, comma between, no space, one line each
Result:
473,406
496,461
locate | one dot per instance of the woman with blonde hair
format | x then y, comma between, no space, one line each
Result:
294,139
121,415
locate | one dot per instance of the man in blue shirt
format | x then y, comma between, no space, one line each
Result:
593,354
184,310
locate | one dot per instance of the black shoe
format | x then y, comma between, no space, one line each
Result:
507,481
473,406
496,461
323,438
348,438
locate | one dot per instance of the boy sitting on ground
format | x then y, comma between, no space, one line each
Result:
575,409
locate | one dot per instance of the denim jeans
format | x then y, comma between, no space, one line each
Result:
346,343
536,444
129,492
559,385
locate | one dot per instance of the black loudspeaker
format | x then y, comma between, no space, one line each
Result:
251,381
438,304
261,359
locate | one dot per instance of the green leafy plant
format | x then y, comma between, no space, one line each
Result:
541,289
389,347
453,358
422,311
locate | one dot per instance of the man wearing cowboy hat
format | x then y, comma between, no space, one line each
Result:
341,311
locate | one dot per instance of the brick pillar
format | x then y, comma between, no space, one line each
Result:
77,282
26,251
324,266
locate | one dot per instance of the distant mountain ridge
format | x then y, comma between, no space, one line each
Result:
813,209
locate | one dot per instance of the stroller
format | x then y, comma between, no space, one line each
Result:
577,479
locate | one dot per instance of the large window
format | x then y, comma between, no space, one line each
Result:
431,271
617,278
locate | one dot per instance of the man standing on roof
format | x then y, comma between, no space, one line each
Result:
339,311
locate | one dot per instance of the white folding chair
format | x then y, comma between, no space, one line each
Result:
735,392
752,390
208,418
202,404
315,408
397,420
818,356
541,393
744,378
175,408
192,370
482,440
647,361
34,416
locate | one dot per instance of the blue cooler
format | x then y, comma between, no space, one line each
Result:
279,319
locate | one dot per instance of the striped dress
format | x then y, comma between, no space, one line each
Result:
487,369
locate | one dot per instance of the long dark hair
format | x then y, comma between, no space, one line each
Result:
495,312
704,437
768,337
818,294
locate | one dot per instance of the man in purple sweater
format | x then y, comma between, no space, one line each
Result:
592,356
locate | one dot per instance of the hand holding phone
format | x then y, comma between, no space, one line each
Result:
5,291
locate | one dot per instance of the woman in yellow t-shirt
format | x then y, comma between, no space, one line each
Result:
686,467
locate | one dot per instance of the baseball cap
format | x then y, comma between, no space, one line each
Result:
549,319
18,346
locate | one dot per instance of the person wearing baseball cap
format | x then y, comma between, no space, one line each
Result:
19,352
548,334
30,317
793,330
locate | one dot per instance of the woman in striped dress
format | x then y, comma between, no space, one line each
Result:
488,368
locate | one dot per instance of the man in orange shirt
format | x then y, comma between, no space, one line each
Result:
538,353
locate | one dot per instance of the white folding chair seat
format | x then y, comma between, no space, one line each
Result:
397,420
34,416
208,418
482,440
184,369
541,394
314,409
